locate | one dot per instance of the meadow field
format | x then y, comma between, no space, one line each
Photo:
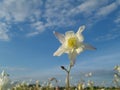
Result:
53,84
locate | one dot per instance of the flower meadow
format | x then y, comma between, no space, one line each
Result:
53,84
72,44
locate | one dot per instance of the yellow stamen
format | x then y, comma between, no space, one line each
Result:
72,42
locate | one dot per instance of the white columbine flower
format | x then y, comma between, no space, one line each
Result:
4,81
88,74
72,44
117,68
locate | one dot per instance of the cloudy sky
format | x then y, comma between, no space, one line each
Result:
27,42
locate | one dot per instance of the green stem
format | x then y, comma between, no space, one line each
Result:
68,78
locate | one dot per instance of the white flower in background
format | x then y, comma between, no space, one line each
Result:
51,85
4,81
117,68
72,44
81,86
88,74
90,83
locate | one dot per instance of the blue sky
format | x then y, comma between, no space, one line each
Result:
27,42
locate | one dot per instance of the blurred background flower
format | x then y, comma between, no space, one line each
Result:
5,82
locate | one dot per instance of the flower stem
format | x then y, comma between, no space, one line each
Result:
68,81
67,76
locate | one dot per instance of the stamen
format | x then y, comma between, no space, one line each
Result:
72,42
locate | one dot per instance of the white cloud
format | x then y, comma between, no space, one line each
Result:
16,11
111,35
101,11
39,25
4,32
117,20
32,34
88,7
7,68
56,13
107,9
41,15
106,61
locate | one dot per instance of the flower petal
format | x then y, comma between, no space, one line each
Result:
79,35
88,47
59,36
79,50
69,34
72,57
59,51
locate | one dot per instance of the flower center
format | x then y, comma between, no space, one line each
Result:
72,42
